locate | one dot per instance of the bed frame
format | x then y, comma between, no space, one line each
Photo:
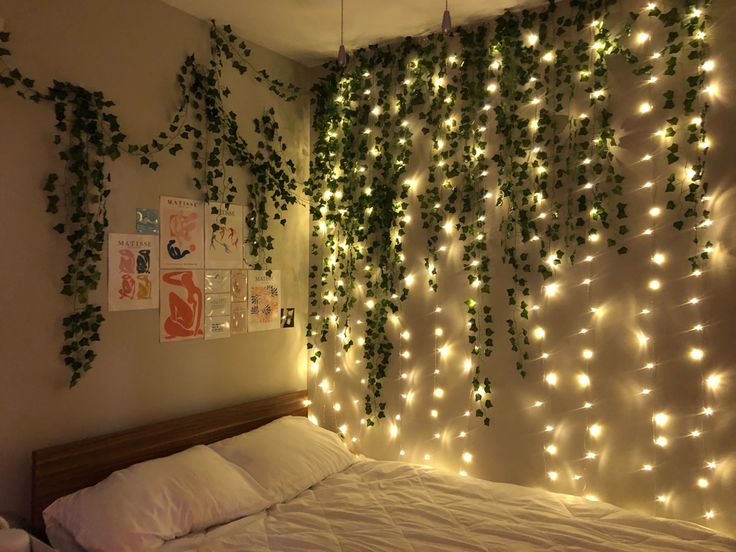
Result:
63,469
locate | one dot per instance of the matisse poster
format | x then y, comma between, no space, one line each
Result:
264,300
132,282
181,305
182,232
224,235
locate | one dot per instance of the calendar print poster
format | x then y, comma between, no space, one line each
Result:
132,282
264,300
182,233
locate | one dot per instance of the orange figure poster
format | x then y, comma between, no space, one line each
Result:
132,272
182,305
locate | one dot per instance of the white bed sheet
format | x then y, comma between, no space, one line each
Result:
395,506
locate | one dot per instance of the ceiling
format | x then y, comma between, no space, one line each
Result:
308,31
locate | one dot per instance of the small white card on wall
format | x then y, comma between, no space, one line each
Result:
217,327
132,275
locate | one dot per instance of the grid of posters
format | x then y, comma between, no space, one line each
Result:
264,300
182,233
194,272
132,272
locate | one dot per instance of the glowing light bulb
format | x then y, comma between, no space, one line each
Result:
645,107
655,212
537,404
661,441
713,381
587,405
703,483
548,428
438,332
590,455
551,449
433,413
710,514
661,419
467,457
707,411
553,475
711,465
647,467
654,285
539,332
595,430
659,258
548,57
551,378
587,354
583,380
594,237
696,433
551,289
696,354
662,499
439,392
646,391
708,65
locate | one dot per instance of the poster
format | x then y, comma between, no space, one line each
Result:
132,282
217,327
239,285
224,245
182,305
217,304
239,318
146,221
182,233
264,300
217,281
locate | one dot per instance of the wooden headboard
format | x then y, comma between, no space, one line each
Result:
63,469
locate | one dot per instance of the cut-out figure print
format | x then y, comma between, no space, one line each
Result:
145,287
226,237
127,287
185,313
143,261
127,261
181,226
264,303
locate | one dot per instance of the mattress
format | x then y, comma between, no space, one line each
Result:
395,506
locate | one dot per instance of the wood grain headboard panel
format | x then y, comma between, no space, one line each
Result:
63,469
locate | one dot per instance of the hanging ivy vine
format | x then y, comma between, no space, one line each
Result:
89,136
517,84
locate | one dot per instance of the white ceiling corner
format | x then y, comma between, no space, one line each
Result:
308,31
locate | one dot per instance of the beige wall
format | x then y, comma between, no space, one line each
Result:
130,50
512,450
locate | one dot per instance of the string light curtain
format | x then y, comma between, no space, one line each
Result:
466,187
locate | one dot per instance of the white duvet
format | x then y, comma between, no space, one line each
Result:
394,506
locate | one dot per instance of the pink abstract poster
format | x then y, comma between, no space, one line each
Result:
182,305
132,272
182,233
224,246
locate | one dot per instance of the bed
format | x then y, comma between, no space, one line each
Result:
290,486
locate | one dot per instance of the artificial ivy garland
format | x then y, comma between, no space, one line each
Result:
89,136
554,173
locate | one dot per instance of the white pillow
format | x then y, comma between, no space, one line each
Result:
287,456
142,506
